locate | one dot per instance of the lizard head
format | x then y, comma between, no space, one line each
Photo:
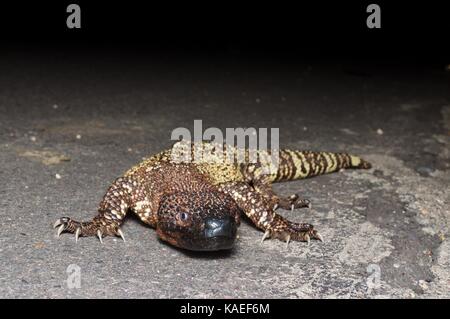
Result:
203,221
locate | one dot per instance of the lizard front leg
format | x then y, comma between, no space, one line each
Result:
261,213
120,196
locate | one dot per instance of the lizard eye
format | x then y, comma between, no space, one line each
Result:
183,216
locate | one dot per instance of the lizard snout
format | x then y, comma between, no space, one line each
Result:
220,227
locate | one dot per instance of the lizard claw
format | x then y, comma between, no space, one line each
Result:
308,239
293,198
99,235
77,234
119,231
288,239
61,229
266,235
57,223
318,236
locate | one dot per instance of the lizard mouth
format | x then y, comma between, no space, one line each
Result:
201,244
215,243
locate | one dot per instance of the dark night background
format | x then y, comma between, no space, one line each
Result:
320,29
79,107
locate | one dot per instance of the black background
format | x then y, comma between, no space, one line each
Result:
278,308
334,29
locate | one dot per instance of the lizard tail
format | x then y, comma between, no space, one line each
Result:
302,164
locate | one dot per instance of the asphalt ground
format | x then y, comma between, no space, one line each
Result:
69,126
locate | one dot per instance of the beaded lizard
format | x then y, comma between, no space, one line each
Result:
196,205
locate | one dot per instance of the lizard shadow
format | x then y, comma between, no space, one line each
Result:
217,254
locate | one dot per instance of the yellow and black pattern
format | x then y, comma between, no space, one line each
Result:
181,199
302,164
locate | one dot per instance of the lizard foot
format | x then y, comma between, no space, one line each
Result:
68,225
286,231
293,202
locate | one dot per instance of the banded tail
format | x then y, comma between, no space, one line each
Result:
303,164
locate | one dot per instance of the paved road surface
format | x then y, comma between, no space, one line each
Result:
68,127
